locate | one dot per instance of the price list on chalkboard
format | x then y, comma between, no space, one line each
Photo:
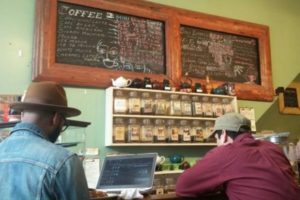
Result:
93,37
222,56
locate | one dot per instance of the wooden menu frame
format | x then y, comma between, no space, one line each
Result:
46,68
262,92
45,65
281,101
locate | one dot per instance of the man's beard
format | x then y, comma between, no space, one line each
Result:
54,134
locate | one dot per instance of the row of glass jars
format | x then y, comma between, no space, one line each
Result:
160,130
174,104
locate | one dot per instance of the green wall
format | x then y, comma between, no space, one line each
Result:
16,39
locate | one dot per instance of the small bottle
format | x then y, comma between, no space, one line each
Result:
185,131
227,107
146,131
175,105
119,131
147,103
134,103
120,103
207,107
160,104
208,86
197,132
159,131
197,106
186,105
217,107
133,131
172,131
198,88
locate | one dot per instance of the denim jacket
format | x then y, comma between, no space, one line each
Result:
32,168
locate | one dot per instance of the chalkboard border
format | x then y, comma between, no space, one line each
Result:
45,67
229,35
261,92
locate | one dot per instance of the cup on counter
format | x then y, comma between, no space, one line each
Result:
167,167
176,158
160,160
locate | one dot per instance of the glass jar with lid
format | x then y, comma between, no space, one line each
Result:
134,103
208,129
159,131
227,106
217,107
133,130
120,102
160,104
185,131
147,103
119,130
197,132
146,131
172,131
186,105
175,105
207,107
170,185
197,106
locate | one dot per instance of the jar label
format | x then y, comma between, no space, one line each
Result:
134,133
119,133
174,134
147,106
120,105
134,105
160,133
186,134
198,108
147,134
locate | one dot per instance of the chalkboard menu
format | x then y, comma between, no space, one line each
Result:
93,37
222,56
290,98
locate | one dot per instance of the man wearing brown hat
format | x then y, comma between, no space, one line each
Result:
31,165
241,167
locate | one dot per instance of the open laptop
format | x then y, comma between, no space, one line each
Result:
133,171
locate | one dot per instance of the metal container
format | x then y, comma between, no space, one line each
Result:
281,139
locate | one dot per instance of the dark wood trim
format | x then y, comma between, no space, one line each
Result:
45,67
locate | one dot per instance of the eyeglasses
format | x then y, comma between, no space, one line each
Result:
66,124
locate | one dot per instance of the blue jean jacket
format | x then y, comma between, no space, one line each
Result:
32,168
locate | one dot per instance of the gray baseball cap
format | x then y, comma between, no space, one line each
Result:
230,122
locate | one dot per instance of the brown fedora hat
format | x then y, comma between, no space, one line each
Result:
46,96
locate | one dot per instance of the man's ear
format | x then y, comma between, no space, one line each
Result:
56,119
224,135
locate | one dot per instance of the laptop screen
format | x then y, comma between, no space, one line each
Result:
127,171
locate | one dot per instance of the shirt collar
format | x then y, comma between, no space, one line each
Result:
29,127
243,136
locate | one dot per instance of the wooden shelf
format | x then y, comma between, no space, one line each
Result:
168,172
160,144
110,115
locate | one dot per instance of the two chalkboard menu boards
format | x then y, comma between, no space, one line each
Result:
88,43
222,56
93,37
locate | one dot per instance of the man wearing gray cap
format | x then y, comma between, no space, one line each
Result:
241,167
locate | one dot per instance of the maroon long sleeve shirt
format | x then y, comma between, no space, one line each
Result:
247,169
